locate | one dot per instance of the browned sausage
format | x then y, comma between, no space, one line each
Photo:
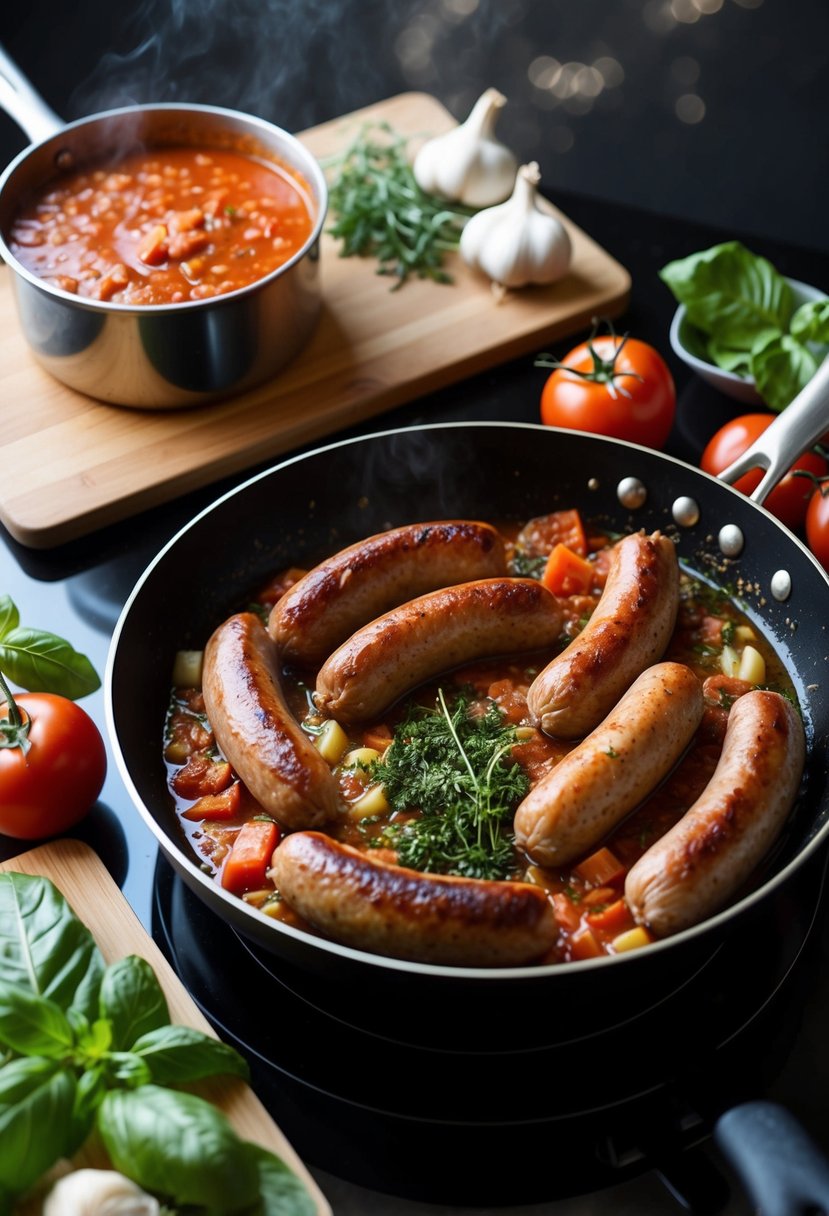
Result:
363,902
359,583
601,780
704,859
430,635
256,730
629,629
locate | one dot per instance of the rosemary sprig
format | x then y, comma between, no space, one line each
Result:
381,211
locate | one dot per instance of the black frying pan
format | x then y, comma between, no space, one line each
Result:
312,505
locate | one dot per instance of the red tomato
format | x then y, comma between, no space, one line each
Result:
54,784
788,500
625,390
817,527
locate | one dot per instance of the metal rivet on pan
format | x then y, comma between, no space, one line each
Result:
631,493
781,584
593,483
685,512
65,159
731,540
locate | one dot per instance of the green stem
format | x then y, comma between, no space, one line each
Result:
14,713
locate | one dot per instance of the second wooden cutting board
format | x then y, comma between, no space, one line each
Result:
79,464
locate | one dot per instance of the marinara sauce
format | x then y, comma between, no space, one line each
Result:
164,226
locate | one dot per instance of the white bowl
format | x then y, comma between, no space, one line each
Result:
687,344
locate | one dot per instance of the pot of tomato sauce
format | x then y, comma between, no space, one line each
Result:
162,256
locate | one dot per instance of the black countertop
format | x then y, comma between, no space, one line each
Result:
78,591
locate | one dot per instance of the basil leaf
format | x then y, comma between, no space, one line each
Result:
89,1094
9,616
781,369
736,361
128,1069
132,1000
731,293
41,662
811,322
33,1025
45,947
179,1146
281,1193
176,1054
36,1102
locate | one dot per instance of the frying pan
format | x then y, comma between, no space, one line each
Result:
164,355
313,504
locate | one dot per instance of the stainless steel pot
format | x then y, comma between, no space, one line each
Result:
169,355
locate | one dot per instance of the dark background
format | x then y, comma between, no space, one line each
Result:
708,109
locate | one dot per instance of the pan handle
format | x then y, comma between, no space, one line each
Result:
796,429
782,1169
20,101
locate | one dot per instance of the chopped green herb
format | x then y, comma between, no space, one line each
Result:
527,565
612,753
729,629
380,211
454,768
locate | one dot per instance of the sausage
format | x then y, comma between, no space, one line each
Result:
365,580
360,901
256,730
699,864
609,773
628,631
430,635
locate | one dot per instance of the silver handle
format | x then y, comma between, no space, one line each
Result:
796,429
22,103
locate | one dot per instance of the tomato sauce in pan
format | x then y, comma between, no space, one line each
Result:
164,226
711,637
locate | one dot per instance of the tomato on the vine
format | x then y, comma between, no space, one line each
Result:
789,499
610,385
50,773
817,526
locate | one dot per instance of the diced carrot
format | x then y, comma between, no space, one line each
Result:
545,531
566,573
566,913
201,775
152,248
246,864
583,945
216,806
601,869
599,895
379,737
612,920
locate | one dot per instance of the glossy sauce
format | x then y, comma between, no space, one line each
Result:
164,226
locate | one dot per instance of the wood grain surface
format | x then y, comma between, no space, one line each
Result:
77,871
73,464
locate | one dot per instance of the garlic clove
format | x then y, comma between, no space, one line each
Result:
98,1193
468,164
516,243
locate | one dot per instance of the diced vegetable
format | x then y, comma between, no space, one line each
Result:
372,802
729,661
378,737
752,666
566,573
331,741
360,761
566,912
246,865
221,806
601,868
583,944
632,939
201,775
187,668
615,918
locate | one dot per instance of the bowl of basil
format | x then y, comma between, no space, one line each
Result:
752,333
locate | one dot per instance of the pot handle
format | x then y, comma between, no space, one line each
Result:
782,1169
796,429
20,101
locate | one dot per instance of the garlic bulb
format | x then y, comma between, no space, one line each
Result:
517,243
98,1193
468,164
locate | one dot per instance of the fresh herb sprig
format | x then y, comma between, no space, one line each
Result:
454,768
85,1046
381,211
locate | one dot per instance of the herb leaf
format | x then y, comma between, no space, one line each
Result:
132,1000
36,1103
176,1054
382,212
453,767
281,1193
33,1025
9,616
41,662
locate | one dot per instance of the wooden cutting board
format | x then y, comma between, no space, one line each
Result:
78,872
79,464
